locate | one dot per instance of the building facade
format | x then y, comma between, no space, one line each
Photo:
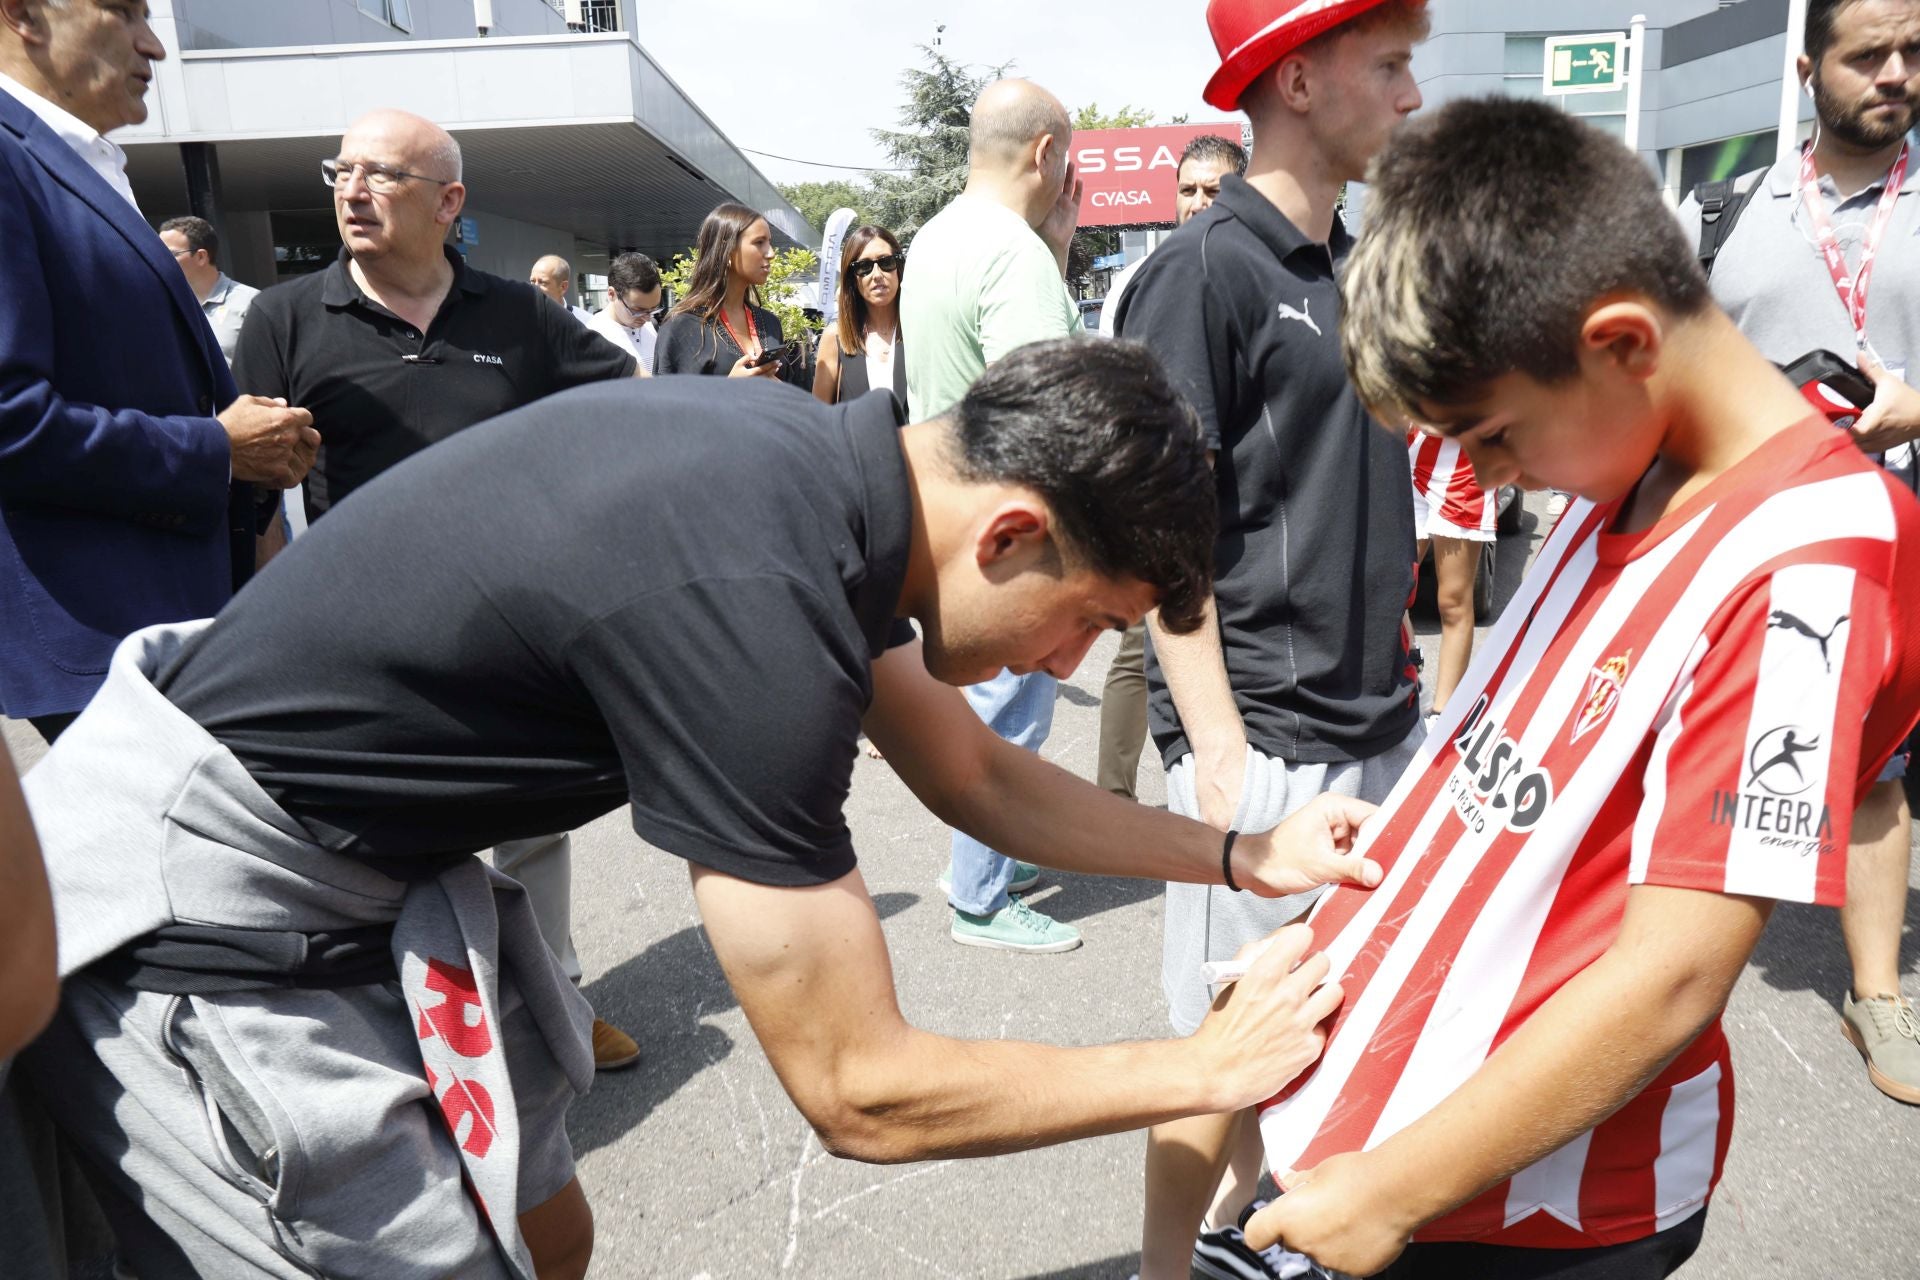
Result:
575,140
1711,100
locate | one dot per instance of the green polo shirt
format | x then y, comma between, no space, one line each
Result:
980,282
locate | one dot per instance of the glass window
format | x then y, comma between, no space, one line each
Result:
402,14
1716,161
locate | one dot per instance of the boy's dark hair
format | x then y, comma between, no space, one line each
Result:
198,233
1493,225
1096,429
1821,17
633,271
1211,148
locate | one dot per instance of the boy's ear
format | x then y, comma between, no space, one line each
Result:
1627,334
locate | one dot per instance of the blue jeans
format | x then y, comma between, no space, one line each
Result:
1019,709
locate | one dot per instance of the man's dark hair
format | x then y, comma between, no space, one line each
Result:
633,271
1493,225
1212,149
199,234
1096,429
1822,15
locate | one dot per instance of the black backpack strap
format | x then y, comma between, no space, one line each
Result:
1721,204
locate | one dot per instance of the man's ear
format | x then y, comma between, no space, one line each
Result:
1043,152
1011,534
453,198
1292,86
1628,334
25,19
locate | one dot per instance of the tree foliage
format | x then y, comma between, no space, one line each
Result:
931,144
1127,117
817,201
789,265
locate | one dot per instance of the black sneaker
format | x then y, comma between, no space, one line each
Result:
1226,1255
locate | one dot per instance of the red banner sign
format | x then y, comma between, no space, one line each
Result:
1130,174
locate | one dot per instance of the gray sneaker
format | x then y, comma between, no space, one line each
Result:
1014,927
1887,1033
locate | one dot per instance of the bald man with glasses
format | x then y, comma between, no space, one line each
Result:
399,345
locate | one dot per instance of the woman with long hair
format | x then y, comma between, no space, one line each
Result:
720,326
862,351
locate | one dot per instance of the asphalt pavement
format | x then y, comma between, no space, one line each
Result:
699,1168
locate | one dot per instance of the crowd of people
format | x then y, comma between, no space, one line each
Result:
320,592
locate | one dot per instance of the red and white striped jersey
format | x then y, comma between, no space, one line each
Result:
1698,705
1446,492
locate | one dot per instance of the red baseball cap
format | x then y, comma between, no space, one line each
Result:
1253,35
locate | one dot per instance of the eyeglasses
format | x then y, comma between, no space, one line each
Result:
381,179
866,266
641,313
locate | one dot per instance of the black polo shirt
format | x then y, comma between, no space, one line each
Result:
380,390
1314,566
667,592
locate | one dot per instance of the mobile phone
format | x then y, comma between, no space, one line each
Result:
1831,385
781,353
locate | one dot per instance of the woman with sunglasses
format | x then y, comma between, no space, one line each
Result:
720,326
862,351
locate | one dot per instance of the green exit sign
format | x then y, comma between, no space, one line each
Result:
1586,64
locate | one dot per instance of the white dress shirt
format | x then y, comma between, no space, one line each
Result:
638,341
103,157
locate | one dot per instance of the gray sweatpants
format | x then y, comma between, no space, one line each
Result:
387,1129
283,1133
1211,922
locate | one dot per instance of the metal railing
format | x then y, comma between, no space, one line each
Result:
588,15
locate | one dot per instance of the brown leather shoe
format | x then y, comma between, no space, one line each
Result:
612,1047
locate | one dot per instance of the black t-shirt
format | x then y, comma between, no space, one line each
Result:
380,390
666,591
689,344
1314,566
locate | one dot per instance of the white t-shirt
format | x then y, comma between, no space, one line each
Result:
639,341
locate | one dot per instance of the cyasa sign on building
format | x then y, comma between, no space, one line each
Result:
1129,174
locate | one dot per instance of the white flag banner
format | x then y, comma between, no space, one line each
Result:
836,234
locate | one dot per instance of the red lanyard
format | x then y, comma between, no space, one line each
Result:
753,332
1852,289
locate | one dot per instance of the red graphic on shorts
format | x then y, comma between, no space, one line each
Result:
459,1019
469,1102
459,1022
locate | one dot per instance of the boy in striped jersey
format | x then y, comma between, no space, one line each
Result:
1667,732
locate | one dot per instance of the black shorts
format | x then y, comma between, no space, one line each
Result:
1652,1258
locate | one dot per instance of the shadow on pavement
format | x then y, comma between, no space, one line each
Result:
1801,950
1115,1268
661,997
1078,697
1083,896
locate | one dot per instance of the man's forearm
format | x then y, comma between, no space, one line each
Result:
927,1097
1583,1055
1087,829
1195,670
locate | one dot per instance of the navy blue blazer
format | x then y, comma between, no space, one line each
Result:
115,506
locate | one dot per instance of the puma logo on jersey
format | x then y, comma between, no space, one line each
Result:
1781,620
1303,315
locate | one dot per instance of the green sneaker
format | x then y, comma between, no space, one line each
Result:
1887,1034
1014,927
1025,876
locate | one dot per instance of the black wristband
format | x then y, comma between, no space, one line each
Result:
1226,860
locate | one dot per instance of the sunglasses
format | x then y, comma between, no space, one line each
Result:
866,266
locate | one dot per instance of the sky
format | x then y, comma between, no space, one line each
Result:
814,96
